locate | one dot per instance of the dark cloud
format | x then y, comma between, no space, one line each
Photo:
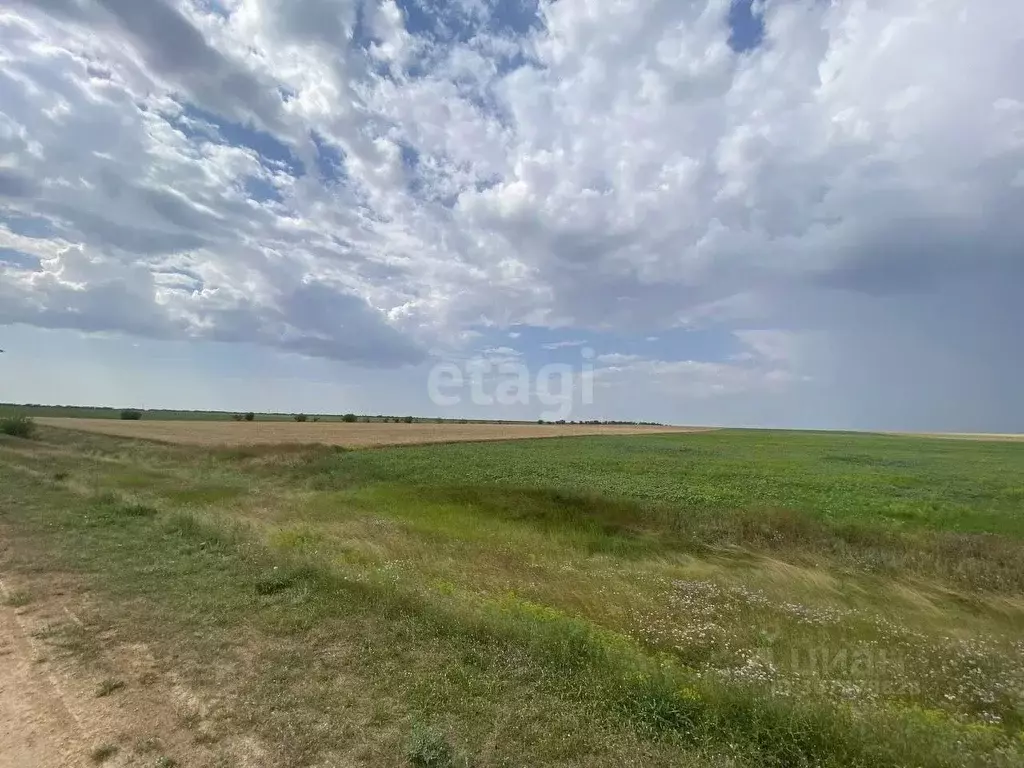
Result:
14,184
339,325
101,231
173,48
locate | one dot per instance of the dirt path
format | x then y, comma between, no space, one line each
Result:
56,712
36,727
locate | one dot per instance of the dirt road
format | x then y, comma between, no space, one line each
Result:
36,727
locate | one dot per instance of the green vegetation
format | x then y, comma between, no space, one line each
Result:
17,426
726,598
131,414
103,753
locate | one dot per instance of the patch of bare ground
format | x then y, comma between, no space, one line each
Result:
72,694
357,435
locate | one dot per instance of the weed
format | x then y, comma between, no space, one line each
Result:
429,748
70,638
18,426
103,753
108,686
17,598
109,508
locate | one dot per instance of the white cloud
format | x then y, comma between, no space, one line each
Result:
564,344
615,168
617,358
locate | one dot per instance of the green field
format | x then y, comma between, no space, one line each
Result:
732,598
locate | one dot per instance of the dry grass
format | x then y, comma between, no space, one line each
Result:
229,433
999,436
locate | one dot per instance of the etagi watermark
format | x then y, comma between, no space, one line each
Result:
559,387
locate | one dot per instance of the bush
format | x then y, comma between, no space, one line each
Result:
250,416
300,417
429,748
349,418
407,419
131,414
18,426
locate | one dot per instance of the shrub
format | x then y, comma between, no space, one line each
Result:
131,414
237,416
300,417
429,748
18,426
349,418
250,416
407,419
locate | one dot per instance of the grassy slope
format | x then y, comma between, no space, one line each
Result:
768,598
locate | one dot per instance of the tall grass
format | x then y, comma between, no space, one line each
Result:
18,426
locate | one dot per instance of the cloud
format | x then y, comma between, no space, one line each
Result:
835,186
617,358
564,344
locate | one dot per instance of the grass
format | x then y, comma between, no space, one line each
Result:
429,748
17,598
108,686
18,425
103,753
729,598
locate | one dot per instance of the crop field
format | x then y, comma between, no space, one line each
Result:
160,414
717,598
225,433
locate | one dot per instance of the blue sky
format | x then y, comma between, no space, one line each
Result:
750,212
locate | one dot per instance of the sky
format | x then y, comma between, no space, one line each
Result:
801,213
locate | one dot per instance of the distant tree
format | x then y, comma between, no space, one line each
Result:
300,417
131,414
407,419
439,421
316,418
250,416
540,421
349,418
237,416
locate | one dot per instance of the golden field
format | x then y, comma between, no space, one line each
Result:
230,433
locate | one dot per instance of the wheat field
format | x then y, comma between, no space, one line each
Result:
232,433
